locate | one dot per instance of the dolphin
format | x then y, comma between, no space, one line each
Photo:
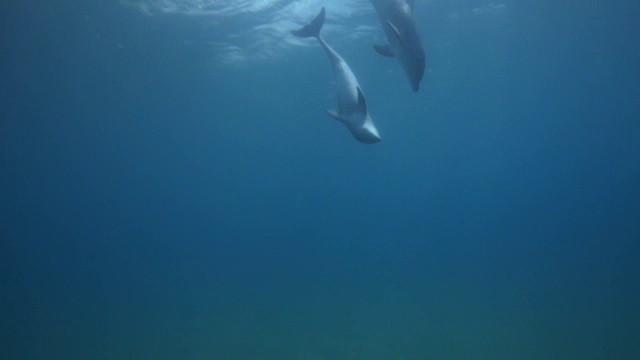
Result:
396,17
352,107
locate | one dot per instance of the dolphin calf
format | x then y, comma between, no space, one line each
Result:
352,107
396,17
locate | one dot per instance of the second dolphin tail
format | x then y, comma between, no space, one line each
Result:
313,28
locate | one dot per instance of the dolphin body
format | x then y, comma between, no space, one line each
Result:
352,107
396,17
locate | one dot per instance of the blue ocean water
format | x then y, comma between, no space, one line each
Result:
171,187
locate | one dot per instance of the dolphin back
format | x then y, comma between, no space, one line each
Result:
313,28
398,23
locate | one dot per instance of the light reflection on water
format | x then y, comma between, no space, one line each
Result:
267,23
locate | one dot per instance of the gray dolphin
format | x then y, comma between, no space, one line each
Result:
352,108
396,17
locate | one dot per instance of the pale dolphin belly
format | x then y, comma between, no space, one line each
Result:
346,82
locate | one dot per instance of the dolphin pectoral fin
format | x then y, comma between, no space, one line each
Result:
395,30
362,104
384,50
335,115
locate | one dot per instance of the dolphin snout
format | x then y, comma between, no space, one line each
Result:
370,137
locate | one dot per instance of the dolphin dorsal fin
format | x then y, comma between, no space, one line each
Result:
362,104
395,30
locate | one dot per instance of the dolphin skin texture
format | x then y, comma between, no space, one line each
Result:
352,107
396,18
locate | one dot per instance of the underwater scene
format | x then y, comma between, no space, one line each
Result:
319,179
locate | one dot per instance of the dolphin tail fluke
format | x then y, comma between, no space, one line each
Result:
313,28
